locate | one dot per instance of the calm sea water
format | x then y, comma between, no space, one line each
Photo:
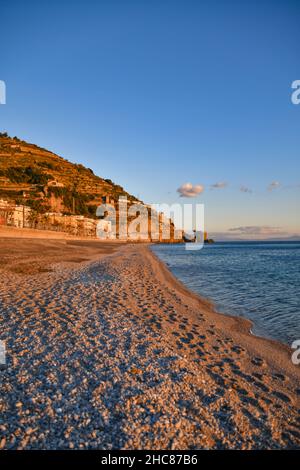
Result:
256,280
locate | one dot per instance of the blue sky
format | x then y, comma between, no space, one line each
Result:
160,93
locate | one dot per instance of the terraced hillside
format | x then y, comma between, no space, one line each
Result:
38,178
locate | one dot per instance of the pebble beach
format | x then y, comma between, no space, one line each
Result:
107,350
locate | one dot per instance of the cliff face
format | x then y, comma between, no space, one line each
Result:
44,181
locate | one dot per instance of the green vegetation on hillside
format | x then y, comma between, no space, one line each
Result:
26,175
36,177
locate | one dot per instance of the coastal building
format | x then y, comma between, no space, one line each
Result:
6,210
14,215
156,228
77,225
21,217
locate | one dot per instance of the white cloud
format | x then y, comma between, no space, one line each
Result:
245,189
189,190
219,185
257,230
273,185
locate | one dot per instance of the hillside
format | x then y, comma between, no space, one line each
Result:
44,181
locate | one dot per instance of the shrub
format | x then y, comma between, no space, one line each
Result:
27,175
38,206
47,165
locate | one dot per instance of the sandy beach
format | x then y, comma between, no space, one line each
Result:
107,350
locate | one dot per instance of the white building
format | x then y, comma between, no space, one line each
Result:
13,215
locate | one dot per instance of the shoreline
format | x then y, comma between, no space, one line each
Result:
246,323
226,313
109,350
241,325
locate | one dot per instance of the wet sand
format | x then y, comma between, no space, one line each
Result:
107,350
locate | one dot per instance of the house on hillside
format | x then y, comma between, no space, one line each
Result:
108,200
55,184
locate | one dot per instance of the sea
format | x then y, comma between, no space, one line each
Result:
255,280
